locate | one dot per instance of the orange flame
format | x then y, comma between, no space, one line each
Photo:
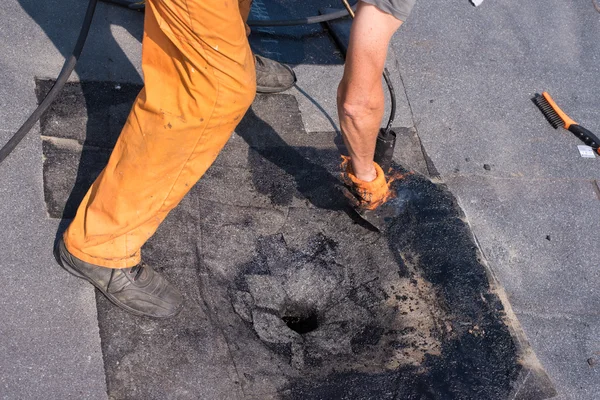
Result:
368,200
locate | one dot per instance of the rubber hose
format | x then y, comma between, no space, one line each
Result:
388,81
315,19
61,80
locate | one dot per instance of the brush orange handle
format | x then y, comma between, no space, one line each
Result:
582,133
586,136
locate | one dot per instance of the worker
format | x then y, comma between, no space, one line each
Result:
200,80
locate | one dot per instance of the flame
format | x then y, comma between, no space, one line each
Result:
363,200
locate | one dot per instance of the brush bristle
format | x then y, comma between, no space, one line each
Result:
548,111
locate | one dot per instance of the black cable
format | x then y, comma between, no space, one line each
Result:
315,19
122,3
66,71
388,81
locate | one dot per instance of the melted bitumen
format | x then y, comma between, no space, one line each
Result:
477,356
289,296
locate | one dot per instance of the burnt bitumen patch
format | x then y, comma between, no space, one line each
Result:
415,305
289,297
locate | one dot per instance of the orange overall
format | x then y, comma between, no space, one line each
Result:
199,81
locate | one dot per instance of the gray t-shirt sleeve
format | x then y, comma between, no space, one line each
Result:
398,8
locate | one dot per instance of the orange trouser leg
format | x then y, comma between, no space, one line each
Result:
245,6
199,82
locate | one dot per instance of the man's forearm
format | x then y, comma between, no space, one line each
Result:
360,108
360,93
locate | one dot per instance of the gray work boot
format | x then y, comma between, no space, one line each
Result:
139,290
272,76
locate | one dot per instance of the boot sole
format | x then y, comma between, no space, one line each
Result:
65,265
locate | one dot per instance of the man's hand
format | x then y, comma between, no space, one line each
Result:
360,93
361,194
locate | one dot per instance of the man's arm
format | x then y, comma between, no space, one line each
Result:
360,93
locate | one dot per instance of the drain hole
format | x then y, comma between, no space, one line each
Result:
303,323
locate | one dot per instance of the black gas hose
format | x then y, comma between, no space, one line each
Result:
315,19
66,71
